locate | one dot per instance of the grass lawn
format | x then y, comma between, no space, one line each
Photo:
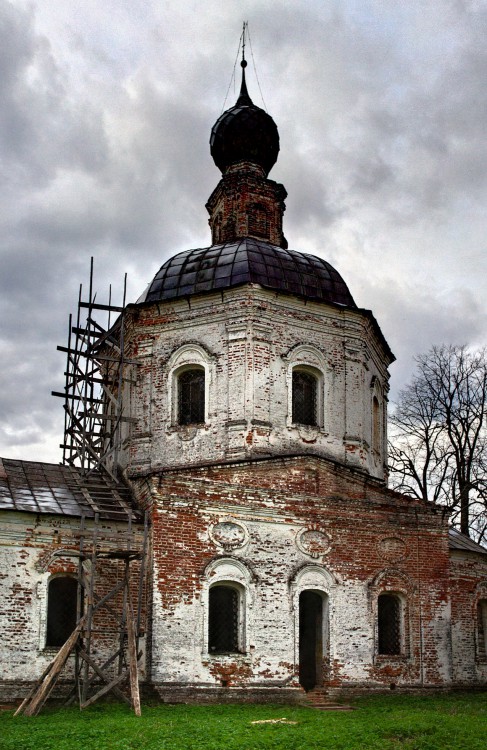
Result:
434,722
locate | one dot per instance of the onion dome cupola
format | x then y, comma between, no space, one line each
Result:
244,145
244,133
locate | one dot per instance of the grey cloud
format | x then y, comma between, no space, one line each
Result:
104,140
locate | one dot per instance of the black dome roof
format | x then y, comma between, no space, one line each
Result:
244,133
247,261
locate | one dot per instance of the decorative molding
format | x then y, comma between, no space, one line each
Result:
313,542
229,534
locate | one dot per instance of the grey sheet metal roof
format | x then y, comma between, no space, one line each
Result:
457,540
245,261
36,487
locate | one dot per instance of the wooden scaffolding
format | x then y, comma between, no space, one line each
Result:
113,539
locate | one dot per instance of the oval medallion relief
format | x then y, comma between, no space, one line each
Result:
313,542
393,549
229,534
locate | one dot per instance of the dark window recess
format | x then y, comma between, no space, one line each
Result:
304,398
258,224
389,624
482,627
375,424
229,230
191,397
61,610
223,620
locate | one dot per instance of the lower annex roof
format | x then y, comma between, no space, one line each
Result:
35,487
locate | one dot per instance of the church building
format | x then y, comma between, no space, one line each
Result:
276,561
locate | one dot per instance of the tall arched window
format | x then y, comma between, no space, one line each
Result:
224,620
305,387
376,442
482,627
191,396
389,624
61,610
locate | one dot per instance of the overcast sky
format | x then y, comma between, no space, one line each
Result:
105,113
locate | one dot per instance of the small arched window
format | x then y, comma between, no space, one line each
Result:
224,619
62,595
389,624
482,627
258,224
228,230
217,229
191,396
305,388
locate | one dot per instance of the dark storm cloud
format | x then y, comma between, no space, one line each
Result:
104,127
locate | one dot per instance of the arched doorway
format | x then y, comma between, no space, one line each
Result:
312,637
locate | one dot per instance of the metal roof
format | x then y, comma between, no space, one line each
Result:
457,540
36,487
245,261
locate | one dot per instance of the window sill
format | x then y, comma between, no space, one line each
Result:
307,428
395,658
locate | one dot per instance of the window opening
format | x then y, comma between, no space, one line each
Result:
61,610
310,639
304,397
223,620
482,627
389,615
258,220
229,232
191,397
375,424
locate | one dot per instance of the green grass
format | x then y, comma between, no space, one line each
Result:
434,722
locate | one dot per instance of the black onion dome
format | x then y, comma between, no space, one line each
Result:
244,133
247,261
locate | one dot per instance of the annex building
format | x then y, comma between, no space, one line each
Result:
221,526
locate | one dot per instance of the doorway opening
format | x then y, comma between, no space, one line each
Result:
311,639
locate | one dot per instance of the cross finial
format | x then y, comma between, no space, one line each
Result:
244,98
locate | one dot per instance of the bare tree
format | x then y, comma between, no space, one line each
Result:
438,428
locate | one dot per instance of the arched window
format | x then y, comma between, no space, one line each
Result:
224,620
482,627
217,229
258,224
228,231
389,624
191,396
376,442
305,387
61,610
